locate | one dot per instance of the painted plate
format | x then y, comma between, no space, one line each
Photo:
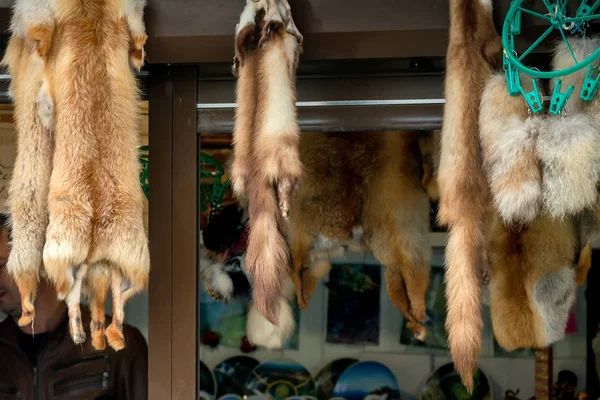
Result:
208,383
444,384
279,379
231,375
329,375
367,380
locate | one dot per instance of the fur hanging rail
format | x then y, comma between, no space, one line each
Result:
464,194
266,164
75,199
364,191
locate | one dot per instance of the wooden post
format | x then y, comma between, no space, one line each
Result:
543,374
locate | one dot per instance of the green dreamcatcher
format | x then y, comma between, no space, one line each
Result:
212,194
143,158
558,21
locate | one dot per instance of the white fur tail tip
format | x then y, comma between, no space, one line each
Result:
261,332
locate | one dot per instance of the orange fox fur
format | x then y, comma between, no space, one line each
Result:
28,190
373,181
533,281
95,227
266,163
464,195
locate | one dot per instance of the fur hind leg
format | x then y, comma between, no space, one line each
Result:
98,284
134,13
396,289
114,332
396,219
27,284
73,301
122,291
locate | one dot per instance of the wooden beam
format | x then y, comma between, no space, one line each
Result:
185,235
160,176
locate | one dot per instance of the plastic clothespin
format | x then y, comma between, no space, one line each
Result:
559,100
584,9
515,26
590,84
513,80
533,98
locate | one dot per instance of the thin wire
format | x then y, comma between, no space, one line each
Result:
535,14
534,45
569,46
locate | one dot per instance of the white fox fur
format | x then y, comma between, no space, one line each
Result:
570,154
570,148
508,138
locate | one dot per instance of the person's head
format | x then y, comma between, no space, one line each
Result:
566,385
10,300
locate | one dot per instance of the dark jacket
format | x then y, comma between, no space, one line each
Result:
67,371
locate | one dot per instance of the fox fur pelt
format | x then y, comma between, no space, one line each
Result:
266,165
533,281
87,200
508,139
570,149
365,189
464,194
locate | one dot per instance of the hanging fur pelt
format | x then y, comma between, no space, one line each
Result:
266,165
508,138
570,149
365,190
464,194
94,200
25,58
225,277
533,281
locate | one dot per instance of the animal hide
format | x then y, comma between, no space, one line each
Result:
223,272
508,138
266,163
533,281
94,199
429,144
569,149
371,184
25,59
464,194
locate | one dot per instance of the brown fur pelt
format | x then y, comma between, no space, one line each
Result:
464,194
508,138
266,164
569,149
371,181
533,281
90,197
